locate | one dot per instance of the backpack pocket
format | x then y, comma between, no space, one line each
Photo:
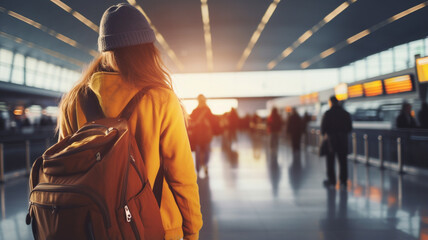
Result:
51,221
140,217
147,209
129,221
67,212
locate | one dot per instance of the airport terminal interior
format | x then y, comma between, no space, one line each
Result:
271,160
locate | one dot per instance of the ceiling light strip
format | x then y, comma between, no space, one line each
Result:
407,12
49,31
362,34
305,36
77,15
47,51
62,5
256,35
171,54
24,19
358,36
207,34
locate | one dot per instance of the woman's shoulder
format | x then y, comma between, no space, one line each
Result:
159,95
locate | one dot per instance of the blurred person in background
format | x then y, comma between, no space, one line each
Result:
274,124
423,116
294,129
405,118
46,119
336,124
305,122
233,125
306,119
202,122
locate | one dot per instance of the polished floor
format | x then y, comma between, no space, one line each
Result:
256,192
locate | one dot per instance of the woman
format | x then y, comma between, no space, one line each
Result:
129,62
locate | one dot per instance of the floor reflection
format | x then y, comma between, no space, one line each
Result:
274,168
207,212
295,172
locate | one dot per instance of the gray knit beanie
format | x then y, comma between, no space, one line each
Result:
123,25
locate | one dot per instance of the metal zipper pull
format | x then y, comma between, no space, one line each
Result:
109,130
28,217
54,209
98,156
132,158
127,214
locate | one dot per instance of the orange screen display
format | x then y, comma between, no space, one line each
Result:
314,97
309,98
422,68
398,84
355,91
341,91
373,88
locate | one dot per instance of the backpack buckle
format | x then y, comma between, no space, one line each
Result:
109,130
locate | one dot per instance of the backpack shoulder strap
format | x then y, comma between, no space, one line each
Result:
90,105
132,104
34,173
158,185
93,111
126,113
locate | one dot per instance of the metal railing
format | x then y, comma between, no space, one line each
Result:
400,149
25,162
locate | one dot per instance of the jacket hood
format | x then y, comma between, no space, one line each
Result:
112,92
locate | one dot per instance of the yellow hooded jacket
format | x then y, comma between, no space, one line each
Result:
157,121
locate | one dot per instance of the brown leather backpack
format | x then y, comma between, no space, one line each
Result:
93,184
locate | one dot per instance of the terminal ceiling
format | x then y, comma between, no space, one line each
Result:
232,25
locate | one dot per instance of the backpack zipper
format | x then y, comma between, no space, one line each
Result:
71,152
128,215
138,172
129,220
77,150
91,126
53,207
49,187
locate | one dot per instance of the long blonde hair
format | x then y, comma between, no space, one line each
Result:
139,65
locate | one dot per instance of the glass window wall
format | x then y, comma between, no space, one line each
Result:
415,48
360,69
347,74
40,74
49,78
426,46
6,58
18,69
30,70
373,66
394,59
386,61
401,57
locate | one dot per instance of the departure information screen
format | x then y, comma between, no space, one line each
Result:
422,69
355,91
373,88
341,91
398,84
